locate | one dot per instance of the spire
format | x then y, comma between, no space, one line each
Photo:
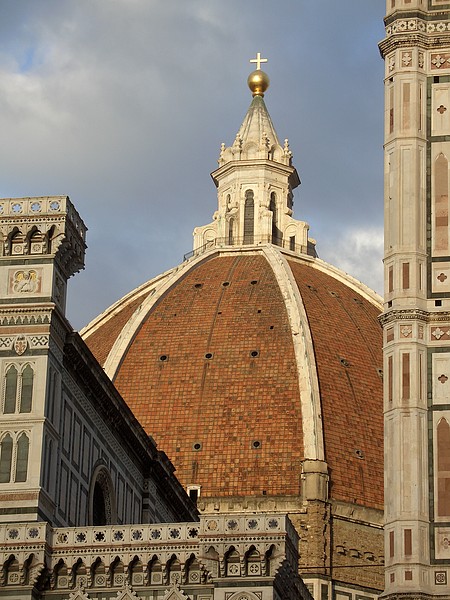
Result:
257,137
254,181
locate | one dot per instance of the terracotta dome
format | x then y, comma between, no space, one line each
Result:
257,367
244,362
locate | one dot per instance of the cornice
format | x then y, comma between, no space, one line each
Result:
26,315
408,314
409,39
256,163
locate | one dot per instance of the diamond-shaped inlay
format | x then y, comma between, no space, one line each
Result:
437,332
441,110
443,378
441,277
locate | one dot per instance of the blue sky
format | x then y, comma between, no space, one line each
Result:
123,105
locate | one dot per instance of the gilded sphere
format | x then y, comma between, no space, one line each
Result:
258,82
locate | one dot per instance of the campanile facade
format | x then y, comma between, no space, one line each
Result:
416,317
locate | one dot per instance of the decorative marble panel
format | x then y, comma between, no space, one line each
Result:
440,107
440,278
442,542
441,378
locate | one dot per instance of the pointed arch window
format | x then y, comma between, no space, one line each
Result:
10,390
6,453
102,501
23,445
27,389
249,217
18,389
14,453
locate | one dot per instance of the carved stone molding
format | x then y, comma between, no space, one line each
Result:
412,314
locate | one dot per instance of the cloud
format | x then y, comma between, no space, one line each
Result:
123,105
358,252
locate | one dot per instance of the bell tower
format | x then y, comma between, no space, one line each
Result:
255,180
42,243
416,317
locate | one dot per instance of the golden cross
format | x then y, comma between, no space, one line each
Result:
258,60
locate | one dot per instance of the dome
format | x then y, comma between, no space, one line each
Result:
257,367
243,363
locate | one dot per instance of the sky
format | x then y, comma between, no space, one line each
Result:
123,104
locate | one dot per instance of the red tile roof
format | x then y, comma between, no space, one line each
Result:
230,306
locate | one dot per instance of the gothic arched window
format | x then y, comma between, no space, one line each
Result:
14,458
10,390
102,502
18,390
27,390
6,454
23,445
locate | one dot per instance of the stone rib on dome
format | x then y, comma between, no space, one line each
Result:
231,400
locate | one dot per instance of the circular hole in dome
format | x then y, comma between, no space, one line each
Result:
359,453
198,285
334,294
256,444
225,284
271,327
209,355
197,446
164,357
259,310
253,282
254,353
344,362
